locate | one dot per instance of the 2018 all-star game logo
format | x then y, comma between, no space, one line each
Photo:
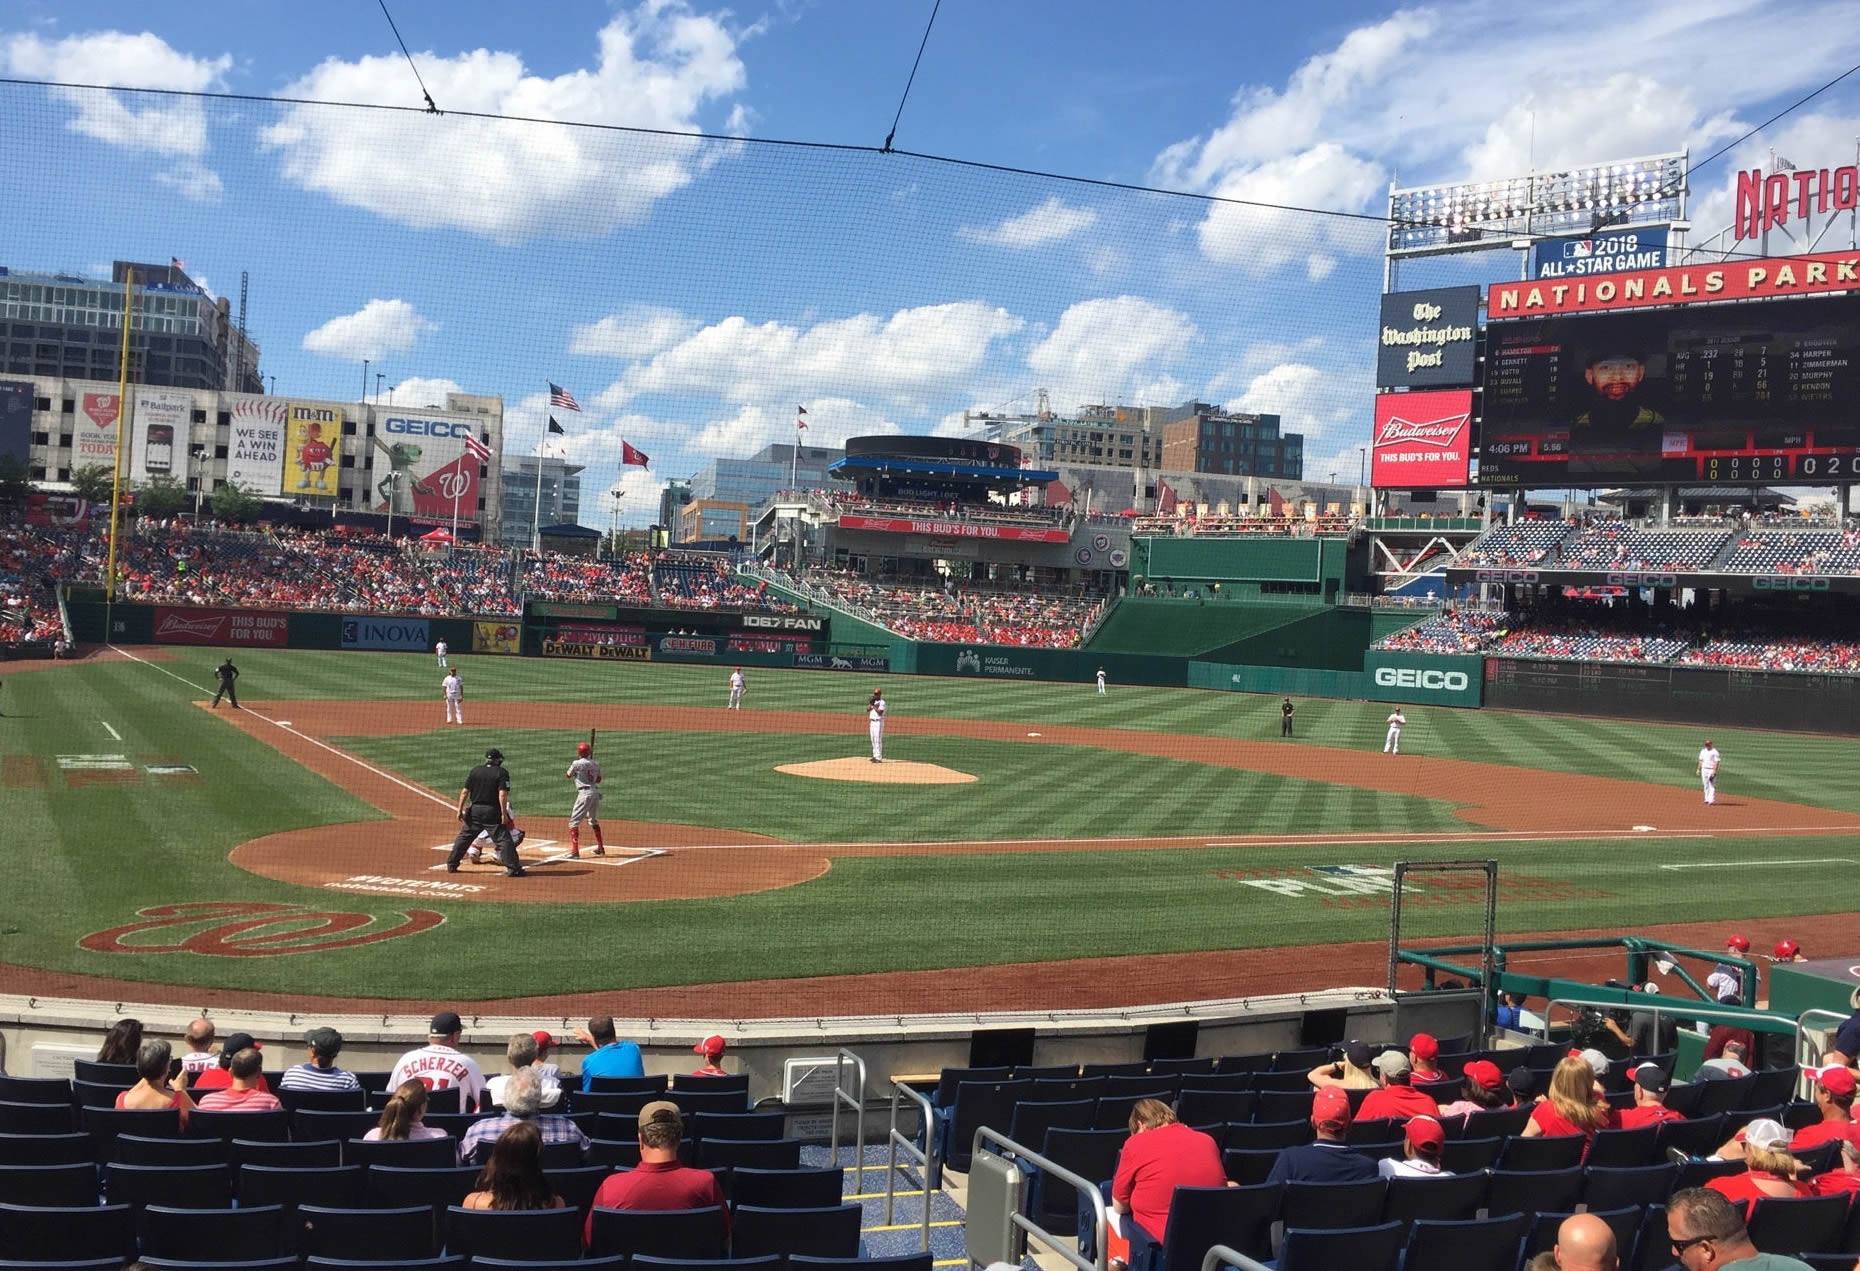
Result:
237,929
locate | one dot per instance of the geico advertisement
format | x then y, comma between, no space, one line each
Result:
1412,677
589,649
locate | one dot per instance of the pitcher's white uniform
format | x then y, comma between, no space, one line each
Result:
439,651
1708,771
875,724
455,698
736,690
1391,745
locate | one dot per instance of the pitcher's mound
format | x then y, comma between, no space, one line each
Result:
893,772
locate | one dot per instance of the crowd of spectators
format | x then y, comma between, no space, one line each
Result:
948,612
705,581
1454,631
1620,545
1777,653
843,501
1521,543
1287,526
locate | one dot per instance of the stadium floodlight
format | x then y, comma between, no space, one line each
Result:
1479,215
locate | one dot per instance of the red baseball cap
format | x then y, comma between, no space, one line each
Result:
1786,949
543,1040
1835,1079
1426,1135
1423,1046
1740,943
1331,1106
1484,1074
712,1045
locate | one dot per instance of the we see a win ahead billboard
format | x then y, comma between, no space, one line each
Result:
1422,440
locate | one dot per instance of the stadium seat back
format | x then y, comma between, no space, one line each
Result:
405,1232
1238,1217
517,1233
46,1149
674,1233
307,1154
1325,1205
234,1235
1797,1225
1376,1248
58,1233
788,1188
1547,1152
828,1232
176,1186
51,1090
1538,1191
1473,1244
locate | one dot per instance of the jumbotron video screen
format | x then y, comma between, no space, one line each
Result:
1732,393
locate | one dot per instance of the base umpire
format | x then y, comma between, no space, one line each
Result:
484,806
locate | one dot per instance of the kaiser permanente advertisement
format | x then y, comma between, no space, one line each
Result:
312,440
93,445
255,448
422,468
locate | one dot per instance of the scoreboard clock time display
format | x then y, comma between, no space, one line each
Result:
1730,393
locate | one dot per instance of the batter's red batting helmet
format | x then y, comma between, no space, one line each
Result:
1786,949
1740,943
584,750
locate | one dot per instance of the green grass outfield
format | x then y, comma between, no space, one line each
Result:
89,857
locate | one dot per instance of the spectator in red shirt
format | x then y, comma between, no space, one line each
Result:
660,1182
1846,1179
1574,1105
1834,1096
1651,1082
1396,1099
244,1094
219,1078
1424,1056
1769,1169
712,1049
1160,1155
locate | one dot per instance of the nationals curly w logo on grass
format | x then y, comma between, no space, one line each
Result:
238,929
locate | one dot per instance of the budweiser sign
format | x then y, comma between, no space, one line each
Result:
1423,441
173,628
240,627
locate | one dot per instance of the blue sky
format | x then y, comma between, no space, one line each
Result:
692,294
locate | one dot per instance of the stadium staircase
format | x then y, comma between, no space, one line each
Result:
903,1234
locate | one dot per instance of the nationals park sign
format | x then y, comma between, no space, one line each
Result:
1676,285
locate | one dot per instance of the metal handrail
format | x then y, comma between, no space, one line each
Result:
928,1159
841,1058
1801,1029
1680,1010
1218,1255
1077,1182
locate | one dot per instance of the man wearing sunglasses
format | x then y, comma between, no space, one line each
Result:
1707,1234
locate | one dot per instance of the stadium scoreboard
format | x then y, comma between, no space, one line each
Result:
1730,393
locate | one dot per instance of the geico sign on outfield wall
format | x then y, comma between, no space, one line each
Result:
428,427
1410,677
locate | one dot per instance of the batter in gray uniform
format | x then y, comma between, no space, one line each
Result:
586,774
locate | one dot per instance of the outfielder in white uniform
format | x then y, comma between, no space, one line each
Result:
586,774
736,690
1100,681
875,724
1391,745
1707,770
439,651
455,696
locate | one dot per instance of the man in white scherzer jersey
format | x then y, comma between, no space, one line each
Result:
875,724
586,774
1707,770
454,689
438,1065
439,651
736,690
1391,745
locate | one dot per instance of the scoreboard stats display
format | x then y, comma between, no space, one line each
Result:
1733,393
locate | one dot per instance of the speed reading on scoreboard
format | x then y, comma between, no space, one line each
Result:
1734,393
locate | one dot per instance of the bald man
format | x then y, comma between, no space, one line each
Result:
1585,1243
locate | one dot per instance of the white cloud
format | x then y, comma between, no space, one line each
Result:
657,66
378,327
952,424
1109,349
830,421
1255,234
1810,141
637,331
417,391
640,490
174,128
1316,402
910,352
1050,222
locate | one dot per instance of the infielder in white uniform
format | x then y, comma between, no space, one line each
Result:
1391,745
1707,769
455,696
586,774
1100,681
875,724
439,651
736,690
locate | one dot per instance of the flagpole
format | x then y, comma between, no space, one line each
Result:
536,510
455,497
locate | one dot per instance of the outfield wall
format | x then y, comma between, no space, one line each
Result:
1794,701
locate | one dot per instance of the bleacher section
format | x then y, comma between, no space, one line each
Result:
1524,543
1794,552
1587,646
964,614
1459,631
1618,545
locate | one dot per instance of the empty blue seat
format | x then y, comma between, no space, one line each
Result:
1323,1205
753,1153
68,1185
450,1261
338,1187
234,1235
517,1233
1375,1248
788,1189
177,1186
50,1090
406,1232
768,1262
828,1232
674,1233
1199,1217
612,1262
46,1149
897,1262
1794,1225
1475,1244
134,1149
74,1233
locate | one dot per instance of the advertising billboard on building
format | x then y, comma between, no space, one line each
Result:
1422,441
93,440
158,441
423,468
15,418
404,634
255,444
312,444
1427,338
1617,252
1764,279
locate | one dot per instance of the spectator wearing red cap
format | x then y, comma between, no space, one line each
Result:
1575,1103
1424,1056
1396,1099
1834,1096
1328,1159
712,1049
1651,1082
1160,1155
1726,980
1484,1090
220,1077
1424,1139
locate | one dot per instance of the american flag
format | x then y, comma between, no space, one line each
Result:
800,419
477,450
559,396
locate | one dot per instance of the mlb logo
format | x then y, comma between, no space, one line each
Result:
1579,249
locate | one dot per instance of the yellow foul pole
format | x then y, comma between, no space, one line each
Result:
122,446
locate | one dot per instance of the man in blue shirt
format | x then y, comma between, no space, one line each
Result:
611,1058
1327,1160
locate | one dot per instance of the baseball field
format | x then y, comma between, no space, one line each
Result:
1024,845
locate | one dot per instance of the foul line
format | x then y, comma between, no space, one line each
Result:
1819,860
114,735
363,764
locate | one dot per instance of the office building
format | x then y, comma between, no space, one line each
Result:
1198,437
752,482
561,497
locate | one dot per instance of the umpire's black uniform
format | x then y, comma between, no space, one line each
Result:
481,808
227,673
1285,718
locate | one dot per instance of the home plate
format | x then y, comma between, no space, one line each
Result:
1642,829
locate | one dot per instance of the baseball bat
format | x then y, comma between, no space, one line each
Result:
590,741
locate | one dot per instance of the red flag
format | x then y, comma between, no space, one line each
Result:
1275,501
1057,494
1165,502
628,455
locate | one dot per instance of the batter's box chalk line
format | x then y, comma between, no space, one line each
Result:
614,858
